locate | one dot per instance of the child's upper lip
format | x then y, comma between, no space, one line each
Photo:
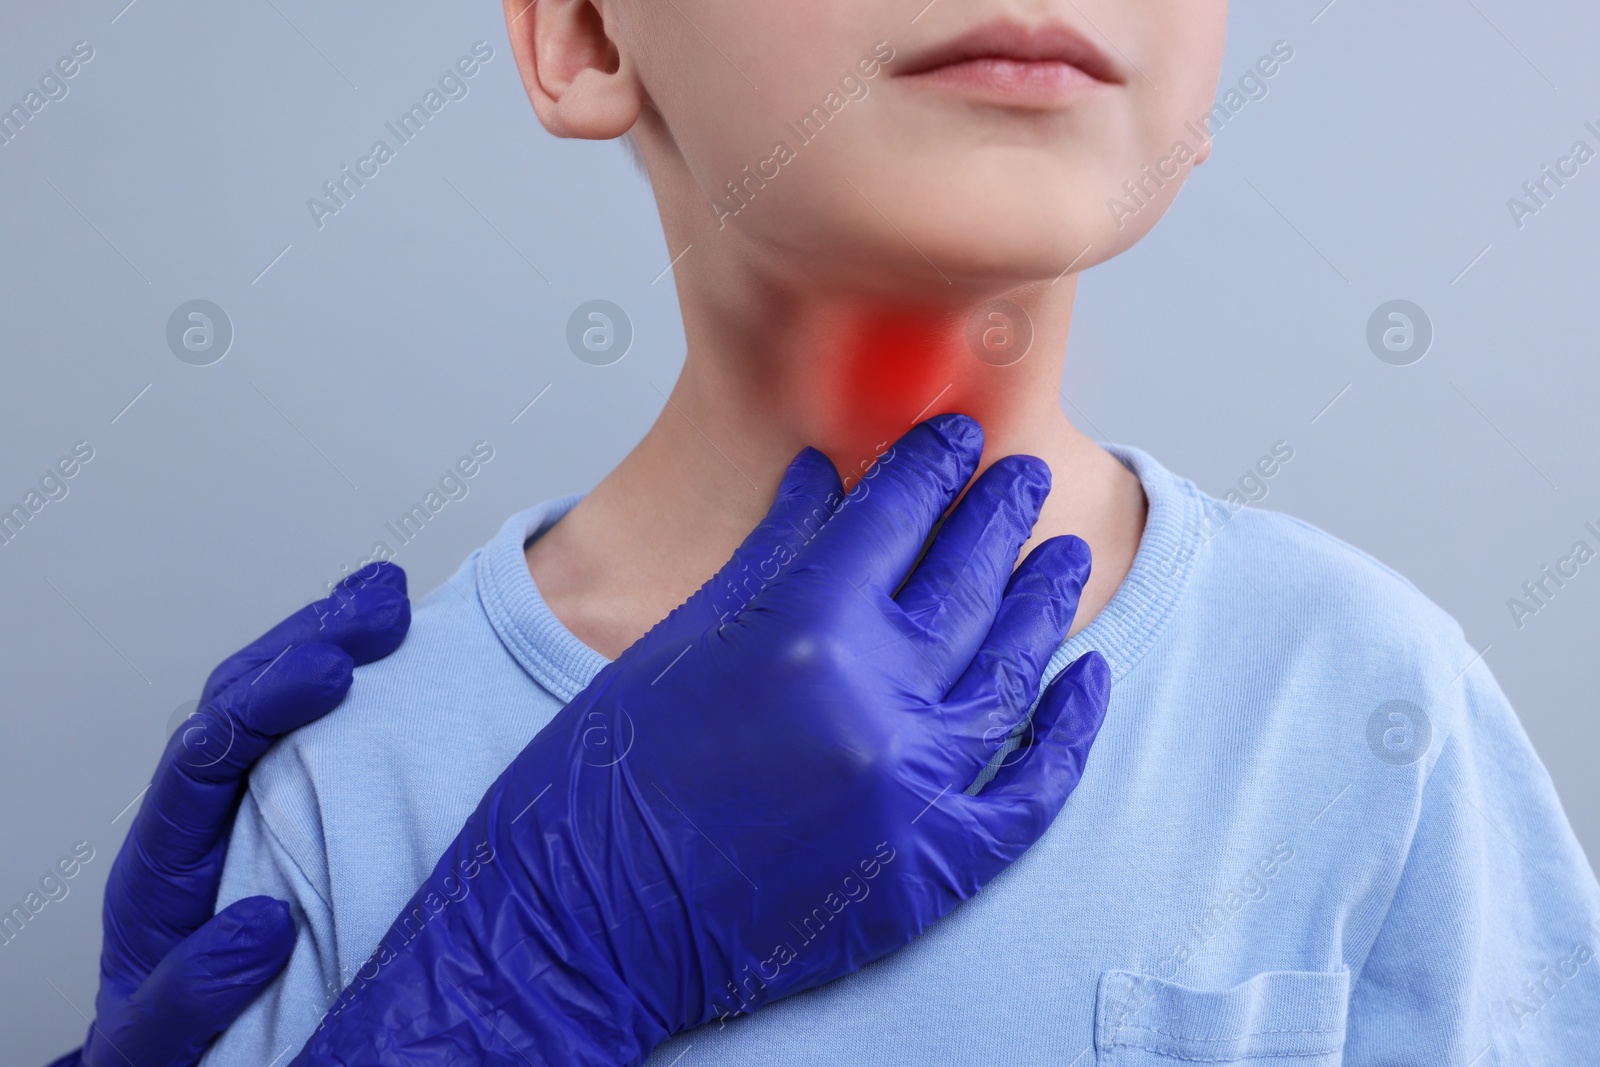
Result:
1018,41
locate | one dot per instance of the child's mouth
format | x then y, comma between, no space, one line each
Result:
1013,64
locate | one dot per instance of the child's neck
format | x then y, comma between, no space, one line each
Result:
847,380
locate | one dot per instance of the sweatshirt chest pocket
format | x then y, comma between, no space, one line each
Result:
1276,1019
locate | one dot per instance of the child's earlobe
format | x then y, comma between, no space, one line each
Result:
573,71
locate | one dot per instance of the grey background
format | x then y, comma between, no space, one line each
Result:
430,311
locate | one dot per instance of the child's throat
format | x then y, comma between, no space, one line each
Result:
885,372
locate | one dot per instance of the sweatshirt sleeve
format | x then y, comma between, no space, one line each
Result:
1487,953
283,1018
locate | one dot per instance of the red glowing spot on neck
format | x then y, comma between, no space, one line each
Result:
892,368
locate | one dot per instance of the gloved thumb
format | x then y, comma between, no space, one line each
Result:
201,986
807,498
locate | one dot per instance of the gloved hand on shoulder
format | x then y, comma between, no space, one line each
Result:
172,975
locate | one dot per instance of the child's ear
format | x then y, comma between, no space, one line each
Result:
579,81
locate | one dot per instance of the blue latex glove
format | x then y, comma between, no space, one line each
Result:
764,793
172,975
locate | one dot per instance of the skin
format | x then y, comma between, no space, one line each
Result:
833,308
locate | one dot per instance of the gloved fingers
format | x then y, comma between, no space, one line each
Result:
953,594
164,882
807,497
1002,681
150,907
367,615
165,879
381,572
200,987
226,735
1022,800
877,535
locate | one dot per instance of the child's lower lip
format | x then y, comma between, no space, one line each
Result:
1037,83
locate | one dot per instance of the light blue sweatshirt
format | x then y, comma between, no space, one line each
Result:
1312,831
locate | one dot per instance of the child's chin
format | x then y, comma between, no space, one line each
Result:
1010,233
